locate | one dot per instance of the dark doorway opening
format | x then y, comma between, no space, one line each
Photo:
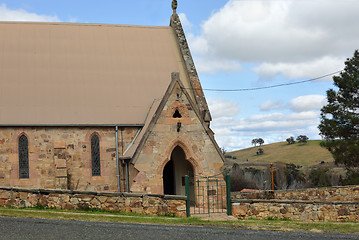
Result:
169,179
174,173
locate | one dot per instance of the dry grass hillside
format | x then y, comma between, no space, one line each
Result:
306,155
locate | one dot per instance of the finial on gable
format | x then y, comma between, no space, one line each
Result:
174,6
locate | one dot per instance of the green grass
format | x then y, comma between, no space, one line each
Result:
305,155
254,224
90,211
100,216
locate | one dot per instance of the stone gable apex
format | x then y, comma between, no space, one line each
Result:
176,87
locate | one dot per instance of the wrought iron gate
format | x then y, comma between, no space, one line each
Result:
206,195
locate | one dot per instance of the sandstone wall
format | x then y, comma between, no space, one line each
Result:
314,204
338,193
65,199
60,157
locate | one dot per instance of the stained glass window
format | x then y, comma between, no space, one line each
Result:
95,155
23,157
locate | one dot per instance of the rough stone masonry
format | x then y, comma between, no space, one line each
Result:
313,204
149,204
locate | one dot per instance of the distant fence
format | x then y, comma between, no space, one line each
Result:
313,204
151,204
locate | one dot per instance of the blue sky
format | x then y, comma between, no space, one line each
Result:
238,44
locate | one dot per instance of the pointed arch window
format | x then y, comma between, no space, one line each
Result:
95,155
23,157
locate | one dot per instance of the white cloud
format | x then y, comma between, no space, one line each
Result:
308,103
7,14
235,133
221,108
271,105
199,44
266,123
294,38
289,38
313,68
210,66
277,122
274,127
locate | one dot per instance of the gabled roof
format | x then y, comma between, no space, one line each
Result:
84,74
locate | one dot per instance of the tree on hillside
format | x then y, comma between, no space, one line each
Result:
260,151
260,141
256,141
339,125
290,140
302,139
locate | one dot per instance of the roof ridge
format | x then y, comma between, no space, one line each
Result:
82,24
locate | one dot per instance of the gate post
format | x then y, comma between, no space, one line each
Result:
228,187
208,205
188,208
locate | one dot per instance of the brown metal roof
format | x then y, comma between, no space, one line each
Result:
69,74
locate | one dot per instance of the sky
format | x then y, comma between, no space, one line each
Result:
239,44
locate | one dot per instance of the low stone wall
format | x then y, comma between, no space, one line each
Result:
315,204
150,204
338,193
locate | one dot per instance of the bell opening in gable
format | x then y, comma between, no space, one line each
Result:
177,114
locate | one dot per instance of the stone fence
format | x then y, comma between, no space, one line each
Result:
314,204
339,193
151,204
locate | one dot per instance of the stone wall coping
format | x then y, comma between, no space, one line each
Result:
108,194
302,189
175,197
251,201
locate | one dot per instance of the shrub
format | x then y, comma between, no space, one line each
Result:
243,178
352,178
319,178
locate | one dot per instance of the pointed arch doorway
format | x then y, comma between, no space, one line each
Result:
174,173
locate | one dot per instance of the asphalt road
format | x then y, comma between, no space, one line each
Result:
24,228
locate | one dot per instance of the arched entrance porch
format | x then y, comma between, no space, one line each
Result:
174,173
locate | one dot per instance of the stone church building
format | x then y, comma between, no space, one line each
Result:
102,107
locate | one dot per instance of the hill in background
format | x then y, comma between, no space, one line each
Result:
303,154
298,165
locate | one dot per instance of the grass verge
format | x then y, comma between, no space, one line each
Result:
253,224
